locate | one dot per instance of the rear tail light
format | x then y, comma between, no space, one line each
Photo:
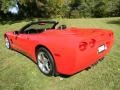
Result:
92,42
83,46
108,43
110,34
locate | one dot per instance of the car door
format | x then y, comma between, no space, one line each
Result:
22,40
24,43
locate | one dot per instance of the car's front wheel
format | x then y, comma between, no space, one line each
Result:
45,61
7,42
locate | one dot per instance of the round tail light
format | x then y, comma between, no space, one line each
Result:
82,46
110,34
92,42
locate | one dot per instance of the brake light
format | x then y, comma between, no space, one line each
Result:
108,43
83,46
110,34
92,42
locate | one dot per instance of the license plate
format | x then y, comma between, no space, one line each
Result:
102,48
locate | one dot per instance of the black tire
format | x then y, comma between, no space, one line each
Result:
47,57
7,43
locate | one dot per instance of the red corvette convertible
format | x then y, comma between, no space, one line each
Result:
60,50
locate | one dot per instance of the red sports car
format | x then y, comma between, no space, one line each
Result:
60,50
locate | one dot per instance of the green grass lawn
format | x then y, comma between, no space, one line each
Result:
17,72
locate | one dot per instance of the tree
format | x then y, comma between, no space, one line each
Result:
57,8
113,8
6,4
60,8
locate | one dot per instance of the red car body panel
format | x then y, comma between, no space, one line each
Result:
71,48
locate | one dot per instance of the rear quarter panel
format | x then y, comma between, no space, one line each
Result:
63,51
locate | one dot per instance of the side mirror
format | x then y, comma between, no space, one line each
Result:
16,32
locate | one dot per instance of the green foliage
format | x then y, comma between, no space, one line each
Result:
62,8
6,4
113,8
75,14
57,8
89,8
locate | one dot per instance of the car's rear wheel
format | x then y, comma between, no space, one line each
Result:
7,42
45,61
